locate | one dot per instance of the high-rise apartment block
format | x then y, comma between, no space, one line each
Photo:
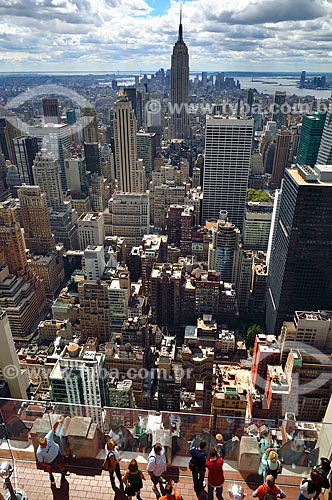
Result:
228,144
266,352
51,110
146,149
166,287
129,215
56,139
22,294
90,131
75,174
36,220
94,262
179,127
308,327
300,273
46,174
257,225
119,292
78,378
63,224
90,229
94,309
162,197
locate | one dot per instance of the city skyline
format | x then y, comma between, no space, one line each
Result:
135,34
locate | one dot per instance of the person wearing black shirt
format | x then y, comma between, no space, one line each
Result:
197,466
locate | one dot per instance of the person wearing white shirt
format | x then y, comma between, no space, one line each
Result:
157,465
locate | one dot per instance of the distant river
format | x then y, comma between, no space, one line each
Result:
268,85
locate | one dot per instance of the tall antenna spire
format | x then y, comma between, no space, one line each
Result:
180,37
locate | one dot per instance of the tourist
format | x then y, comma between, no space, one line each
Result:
133,477
156,467
197,466
312,486
214,465
271,463
48,454
269,490
170,492
113,458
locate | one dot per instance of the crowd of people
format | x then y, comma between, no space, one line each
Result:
202,460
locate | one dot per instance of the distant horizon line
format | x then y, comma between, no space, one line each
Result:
150,72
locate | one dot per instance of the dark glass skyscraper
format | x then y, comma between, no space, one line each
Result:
26,148
279,115
92,157
310,138
179,113
325,150
300,271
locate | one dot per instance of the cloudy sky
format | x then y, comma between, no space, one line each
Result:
110,35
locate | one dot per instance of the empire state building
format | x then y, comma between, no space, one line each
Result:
179,123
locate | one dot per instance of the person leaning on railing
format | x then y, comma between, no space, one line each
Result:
48,454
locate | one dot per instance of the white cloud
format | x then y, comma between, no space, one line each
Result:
129,34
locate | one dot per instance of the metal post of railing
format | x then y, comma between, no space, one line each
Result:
6,470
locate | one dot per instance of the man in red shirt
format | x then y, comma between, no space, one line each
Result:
269,490
216,479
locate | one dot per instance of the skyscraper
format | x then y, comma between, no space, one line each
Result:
26,148
223,249
12,244
47,175
51,110
279,115
325,150
179,127
300,272
90,131
55,138
281,157
228,144
92,157
77,378
36,220
302,80
310,138
18,384
146,149
125,129
22,293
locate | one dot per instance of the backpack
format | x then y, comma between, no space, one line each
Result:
110,462
192,464
269,495
196,463
274,472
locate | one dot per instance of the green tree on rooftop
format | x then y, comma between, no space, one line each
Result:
252,331
257,195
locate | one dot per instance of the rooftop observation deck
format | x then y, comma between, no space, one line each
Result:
81,438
